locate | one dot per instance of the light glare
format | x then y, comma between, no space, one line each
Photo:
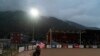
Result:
34,12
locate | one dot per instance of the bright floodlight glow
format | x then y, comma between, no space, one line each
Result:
34,12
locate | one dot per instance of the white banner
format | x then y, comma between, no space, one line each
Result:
21,49
48,46
70,46
30,47
87,46
94,46
59,46
34,46
81,46
0,51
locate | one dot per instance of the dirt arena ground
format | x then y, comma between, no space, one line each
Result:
70,52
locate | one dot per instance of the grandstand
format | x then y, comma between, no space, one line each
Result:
84,37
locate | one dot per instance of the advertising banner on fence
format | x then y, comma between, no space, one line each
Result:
81,46
70,46
21,49
94,46
42,45
0,51
30,47
59,46
48,46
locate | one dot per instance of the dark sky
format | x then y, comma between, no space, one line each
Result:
85,12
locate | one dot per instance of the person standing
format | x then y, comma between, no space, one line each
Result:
37,51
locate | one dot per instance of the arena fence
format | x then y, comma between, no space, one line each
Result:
72,46
32,47
26,47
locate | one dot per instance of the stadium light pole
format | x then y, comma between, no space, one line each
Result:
80,37
34,15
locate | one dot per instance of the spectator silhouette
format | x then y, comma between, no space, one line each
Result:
37,51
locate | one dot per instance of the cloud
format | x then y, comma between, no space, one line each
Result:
85,12
86,20
15,4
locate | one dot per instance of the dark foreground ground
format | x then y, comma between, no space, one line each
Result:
70,52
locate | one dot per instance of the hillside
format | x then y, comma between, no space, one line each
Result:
18,21
81,26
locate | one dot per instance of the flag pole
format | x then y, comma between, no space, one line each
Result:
50,35
80,37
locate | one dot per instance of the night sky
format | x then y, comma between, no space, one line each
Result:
85,12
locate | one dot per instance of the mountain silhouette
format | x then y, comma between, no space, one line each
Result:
19,21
